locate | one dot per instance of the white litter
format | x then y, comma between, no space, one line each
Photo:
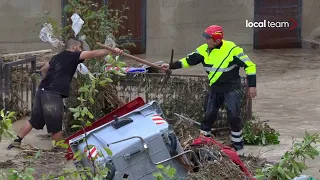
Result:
77,23
304,177
46,35
83,69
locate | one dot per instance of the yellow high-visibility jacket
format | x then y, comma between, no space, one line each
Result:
227,75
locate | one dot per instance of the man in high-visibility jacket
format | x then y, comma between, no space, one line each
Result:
221,60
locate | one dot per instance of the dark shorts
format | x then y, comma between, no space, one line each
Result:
47,110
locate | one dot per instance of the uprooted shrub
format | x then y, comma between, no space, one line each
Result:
257,132
293,162
101,24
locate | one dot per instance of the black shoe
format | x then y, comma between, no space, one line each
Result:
14,144
237,146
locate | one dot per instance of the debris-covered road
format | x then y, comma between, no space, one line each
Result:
288,86
288,96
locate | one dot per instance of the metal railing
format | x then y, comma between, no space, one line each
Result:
184,94
18,85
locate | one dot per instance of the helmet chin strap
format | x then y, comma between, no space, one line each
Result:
217,43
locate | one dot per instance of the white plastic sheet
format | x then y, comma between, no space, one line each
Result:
83,69
46,35
77,23
304,177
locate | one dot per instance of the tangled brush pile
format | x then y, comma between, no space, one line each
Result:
215,163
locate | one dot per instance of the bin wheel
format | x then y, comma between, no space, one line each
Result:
173,144
112,170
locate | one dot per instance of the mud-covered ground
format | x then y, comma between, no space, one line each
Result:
47,162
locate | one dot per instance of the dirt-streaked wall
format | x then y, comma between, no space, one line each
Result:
18,20
179,24
171,24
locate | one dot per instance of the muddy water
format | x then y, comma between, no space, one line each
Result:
288,96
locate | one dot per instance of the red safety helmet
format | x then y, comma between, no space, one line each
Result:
215,32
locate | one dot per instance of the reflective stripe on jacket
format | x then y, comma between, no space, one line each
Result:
232,57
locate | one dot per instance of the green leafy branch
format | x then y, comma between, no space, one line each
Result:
82,114
165,172
6,124
259,133
83,117
88,93
26,173
292,162
99,23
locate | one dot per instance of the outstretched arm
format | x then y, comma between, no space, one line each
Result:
97,53
191,59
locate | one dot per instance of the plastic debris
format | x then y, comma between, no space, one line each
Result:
46,35
127,69
77,23
304,177
83,69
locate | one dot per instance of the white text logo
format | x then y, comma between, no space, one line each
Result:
267,24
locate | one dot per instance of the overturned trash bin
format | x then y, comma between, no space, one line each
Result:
138,140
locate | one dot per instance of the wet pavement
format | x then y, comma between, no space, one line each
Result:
288,95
